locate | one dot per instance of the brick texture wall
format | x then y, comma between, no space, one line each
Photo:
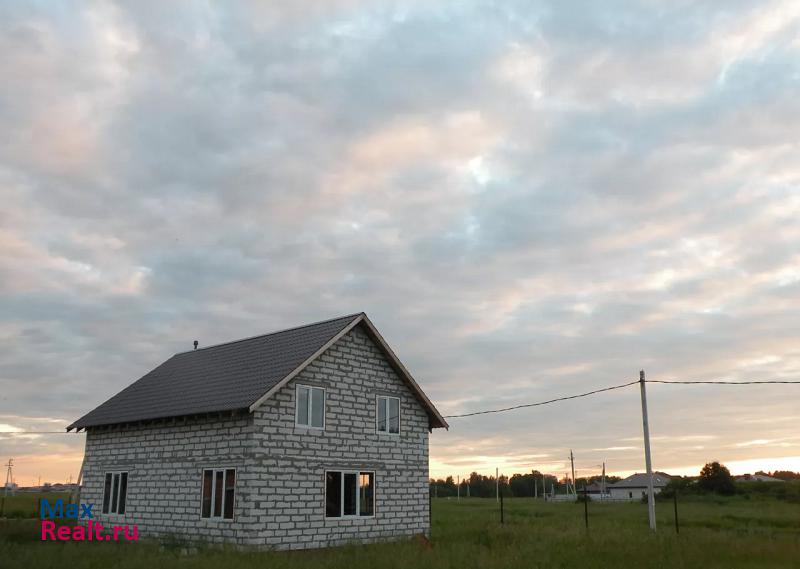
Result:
280,489
164,465
287,477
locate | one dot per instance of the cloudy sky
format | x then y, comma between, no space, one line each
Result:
528,199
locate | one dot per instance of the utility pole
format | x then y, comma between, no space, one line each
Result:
603,485
497,484
458,487
574,482
9,477
651,501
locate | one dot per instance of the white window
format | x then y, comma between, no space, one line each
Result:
115,492
349,494
219,493
388,415
310,407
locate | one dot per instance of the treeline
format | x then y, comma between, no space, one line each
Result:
715,478
518,485
784,475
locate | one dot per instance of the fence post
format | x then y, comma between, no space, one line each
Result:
502,520
586,506
675,500
430,514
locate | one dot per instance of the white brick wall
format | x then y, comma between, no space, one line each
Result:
164,465
280,467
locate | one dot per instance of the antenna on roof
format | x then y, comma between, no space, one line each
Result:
195,344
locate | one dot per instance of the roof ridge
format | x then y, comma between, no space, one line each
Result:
349,316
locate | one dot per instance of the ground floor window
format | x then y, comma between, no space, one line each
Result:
115,491
219,493
349,494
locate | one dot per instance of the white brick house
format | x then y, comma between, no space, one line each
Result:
289,440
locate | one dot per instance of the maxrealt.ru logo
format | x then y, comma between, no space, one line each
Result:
92,531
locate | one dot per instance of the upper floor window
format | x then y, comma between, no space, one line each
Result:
219,493
310,407
388,416
115,492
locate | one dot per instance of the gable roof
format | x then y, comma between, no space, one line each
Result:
639,480
236,376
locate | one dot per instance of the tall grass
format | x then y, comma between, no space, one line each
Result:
718,533
26,504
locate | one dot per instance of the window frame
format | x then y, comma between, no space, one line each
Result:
297,422
378,398
214,469
357,515
113,509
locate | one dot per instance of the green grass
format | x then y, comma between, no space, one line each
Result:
26,504
715,533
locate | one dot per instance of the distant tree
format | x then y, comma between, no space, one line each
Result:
785,475
679,485
714,477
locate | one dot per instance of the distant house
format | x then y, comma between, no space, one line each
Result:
635,486
757,478
309,437
594,488
594,491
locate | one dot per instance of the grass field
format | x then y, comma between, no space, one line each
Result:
26,504
724,533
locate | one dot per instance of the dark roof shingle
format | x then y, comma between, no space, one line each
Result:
224,377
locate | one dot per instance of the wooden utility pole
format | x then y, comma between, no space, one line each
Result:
574,484
651,499
9,476
497,483
603,485
458,488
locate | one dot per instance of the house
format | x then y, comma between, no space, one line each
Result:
309,437
757,478
635,486
595,488
595,491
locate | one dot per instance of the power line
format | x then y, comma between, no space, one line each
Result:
699,382
542,402
675,382
35,433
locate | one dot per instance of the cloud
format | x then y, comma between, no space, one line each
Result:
529,201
